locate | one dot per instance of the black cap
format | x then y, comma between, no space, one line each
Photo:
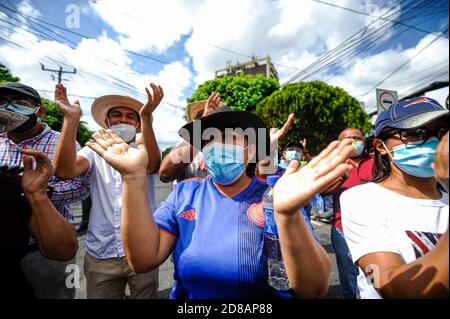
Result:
22,89
294,144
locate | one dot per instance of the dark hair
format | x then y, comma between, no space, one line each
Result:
381,166
294,144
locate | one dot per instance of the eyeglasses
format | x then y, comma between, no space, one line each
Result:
20,106
418,136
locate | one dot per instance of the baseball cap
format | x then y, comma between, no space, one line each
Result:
22,89
410,114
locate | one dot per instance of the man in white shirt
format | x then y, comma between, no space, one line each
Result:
106,266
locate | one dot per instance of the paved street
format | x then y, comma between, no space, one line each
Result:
166,270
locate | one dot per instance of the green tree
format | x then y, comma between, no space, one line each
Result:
321,112
241,92
6,76
54,118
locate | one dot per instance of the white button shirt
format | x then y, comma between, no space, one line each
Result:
104,238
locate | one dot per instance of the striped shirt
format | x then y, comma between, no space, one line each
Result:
65,192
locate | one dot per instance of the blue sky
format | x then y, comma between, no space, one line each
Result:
184,42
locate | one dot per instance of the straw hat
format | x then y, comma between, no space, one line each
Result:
194,108
103,104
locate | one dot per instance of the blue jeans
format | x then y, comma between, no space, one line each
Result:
348,271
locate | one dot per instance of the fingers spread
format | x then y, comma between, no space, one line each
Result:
114,137
335,158
96,148
324,153
324,181
102,138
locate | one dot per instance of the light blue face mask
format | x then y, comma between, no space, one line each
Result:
416,160
225,162
293,155
358,148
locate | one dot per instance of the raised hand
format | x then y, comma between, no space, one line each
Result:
297,186
277,135
35,180
122,157
69,110
211,104
152,101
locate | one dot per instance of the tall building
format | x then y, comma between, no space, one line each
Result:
255,66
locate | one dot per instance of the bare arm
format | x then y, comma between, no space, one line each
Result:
55,236
307,264
174,163
146,247
426,277
268,166
67,164
154,156
178,159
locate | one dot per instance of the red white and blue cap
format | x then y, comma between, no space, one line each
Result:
410,114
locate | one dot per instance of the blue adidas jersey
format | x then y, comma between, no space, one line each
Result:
219,248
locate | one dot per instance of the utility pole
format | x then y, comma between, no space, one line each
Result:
60,72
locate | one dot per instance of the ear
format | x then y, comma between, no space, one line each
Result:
41,111
107,123
378,144
251,151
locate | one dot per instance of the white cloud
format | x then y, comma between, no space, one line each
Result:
148,25
365,73
96,76
26,8
294,33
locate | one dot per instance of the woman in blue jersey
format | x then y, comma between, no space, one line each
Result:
217,242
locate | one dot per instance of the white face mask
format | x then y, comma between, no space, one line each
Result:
125,131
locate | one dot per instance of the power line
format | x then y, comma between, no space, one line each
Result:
132,90
121,83
180,108
149,57
340,50
405,63
363,39
60,72
369,15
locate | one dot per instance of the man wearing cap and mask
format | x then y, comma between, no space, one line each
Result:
362,164
21,111
106,267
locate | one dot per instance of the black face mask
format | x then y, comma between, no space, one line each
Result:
28,125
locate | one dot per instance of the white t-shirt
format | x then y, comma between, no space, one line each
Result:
376,219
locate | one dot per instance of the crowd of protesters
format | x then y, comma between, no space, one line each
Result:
389,202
